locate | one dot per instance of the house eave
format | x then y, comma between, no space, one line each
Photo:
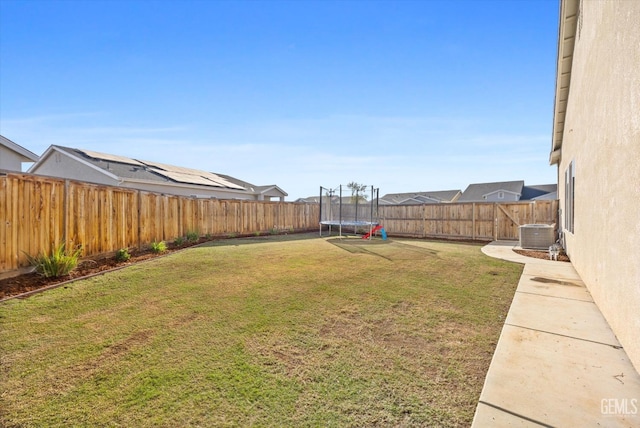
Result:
25,155
569,11
53,149
184,186
266,189
501,190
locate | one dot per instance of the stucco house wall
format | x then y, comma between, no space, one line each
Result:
502,196
10,160
185,190
113,170
58,165
12,155
600,142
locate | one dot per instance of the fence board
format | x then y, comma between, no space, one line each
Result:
477,221
4,225
37,213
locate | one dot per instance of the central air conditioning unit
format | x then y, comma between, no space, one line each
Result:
537,236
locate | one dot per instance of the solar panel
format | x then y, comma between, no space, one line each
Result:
176,173
173,168
226,183
189,178
112,158
189,175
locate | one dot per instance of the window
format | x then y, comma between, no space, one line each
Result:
500,195
569,196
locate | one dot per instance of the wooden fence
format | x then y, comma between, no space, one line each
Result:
476,221
37,213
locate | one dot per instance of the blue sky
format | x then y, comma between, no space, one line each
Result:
402,95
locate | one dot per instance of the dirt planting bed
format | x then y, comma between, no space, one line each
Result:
542,255
25,283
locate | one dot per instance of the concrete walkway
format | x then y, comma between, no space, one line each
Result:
557,362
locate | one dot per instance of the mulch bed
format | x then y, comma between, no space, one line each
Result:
21,284
562,257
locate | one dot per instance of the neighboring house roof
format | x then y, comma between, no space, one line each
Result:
479,192
131,170
122,167
334,199
566,44
546,197
117,167
352,199
270,189
538,191
23,153
420,197
309,200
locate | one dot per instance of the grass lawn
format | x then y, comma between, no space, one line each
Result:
261,332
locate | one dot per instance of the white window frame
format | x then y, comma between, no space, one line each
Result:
569,196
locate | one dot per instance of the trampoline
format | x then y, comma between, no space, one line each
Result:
358,211
348,223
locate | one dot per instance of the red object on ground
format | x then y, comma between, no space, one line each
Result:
374,230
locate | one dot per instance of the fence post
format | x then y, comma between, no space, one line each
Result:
495,221
139,196
65,215
180,221
473,221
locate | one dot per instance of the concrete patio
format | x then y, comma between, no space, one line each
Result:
557,362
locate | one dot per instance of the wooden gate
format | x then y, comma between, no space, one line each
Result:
509,218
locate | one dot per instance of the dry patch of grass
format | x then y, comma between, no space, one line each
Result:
258,332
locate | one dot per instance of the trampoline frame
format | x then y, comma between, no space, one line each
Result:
349,223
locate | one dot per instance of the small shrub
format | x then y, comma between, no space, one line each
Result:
273,231
193,236
208,237
58,263
122,255
256,233
178,241
158,247
233,235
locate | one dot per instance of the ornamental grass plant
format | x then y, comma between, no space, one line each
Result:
57,263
